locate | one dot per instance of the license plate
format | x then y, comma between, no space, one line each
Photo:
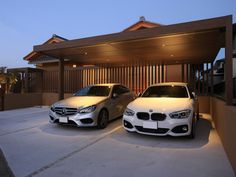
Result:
150,125
63,119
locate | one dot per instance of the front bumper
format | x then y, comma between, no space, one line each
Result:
172,127
79,120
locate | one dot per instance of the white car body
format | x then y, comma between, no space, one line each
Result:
151,115
68,111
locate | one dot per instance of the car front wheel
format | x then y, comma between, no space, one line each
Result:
103,119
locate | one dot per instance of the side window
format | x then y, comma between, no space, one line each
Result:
124,89
116,89
119,89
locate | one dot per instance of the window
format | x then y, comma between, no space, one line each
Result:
166,91
119,89
94,91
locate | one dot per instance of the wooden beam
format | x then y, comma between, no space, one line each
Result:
61,79
228,61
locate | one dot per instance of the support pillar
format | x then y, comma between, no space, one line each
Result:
212,81
182,72
228,61
162,73
61,79
26,81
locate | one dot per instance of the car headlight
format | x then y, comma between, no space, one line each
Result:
180,114
129,112
52,108
88,109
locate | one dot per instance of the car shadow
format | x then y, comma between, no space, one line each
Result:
202,138
70,130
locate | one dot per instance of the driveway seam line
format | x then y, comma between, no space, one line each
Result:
9,116
23,129
72,153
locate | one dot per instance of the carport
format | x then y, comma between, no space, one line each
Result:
194,45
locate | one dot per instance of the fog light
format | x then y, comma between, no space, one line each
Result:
127,124
184,128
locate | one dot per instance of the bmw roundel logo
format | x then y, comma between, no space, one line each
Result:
150,110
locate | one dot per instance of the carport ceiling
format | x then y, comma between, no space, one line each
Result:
193,42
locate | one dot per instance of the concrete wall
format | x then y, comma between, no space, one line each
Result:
224,118
22,100
50,98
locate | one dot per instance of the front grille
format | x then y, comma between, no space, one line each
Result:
143,115
62,111
154,131
158,116
154,116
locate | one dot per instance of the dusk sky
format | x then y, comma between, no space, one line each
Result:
26,23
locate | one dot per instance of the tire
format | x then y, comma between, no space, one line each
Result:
198,116
193,130
103,119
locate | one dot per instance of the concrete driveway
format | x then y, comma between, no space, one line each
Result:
33,147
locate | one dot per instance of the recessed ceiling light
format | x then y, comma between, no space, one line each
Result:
172,55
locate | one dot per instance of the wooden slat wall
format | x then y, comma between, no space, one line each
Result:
137,77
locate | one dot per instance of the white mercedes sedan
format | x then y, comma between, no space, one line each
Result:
163,109
94,105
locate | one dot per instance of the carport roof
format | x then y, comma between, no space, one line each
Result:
191,42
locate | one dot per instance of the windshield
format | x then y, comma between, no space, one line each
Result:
94,91
166,91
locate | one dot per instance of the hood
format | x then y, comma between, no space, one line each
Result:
80,101
160,104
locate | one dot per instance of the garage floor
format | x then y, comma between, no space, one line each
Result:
33,147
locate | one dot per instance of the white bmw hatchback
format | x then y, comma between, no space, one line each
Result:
163,109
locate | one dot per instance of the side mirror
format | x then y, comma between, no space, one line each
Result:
139,94
194,95
114,95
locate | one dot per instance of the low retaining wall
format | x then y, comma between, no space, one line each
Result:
22,100
224,118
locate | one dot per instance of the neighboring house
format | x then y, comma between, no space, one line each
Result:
42,61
